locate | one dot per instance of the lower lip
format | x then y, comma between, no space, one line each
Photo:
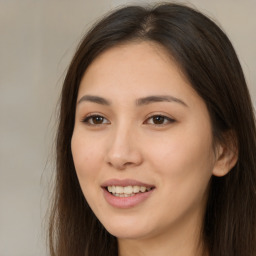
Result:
126,202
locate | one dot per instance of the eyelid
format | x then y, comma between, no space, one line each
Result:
91,115
168,118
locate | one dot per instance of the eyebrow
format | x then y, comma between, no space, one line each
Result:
160,98
139,102
94,99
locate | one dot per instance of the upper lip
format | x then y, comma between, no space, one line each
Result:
125,183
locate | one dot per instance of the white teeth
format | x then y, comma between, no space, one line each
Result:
143,189
123,195
119,190
127,191
136,189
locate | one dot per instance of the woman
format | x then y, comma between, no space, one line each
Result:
156,141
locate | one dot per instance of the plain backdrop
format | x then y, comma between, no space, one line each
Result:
37,41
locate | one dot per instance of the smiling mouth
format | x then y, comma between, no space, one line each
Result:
127,191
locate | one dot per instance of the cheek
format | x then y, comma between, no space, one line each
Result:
86,156
180,150
87,160
183,173
184,162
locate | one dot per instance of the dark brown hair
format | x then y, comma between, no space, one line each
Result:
210,64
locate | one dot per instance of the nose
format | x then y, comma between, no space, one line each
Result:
123,151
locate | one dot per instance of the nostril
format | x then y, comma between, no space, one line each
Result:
121,165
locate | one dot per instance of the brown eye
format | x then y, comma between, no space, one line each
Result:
159,120
95,120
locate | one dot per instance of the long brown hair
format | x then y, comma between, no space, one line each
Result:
210,63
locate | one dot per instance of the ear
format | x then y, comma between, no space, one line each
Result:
226,155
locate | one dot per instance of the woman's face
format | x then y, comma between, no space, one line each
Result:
142,133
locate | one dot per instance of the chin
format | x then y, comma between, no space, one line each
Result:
127,231
127,234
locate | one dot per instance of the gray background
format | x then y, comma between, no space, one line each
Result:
37,40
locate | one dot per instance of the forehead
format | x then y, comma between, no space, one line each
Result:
135,48
141,68
134,54
130,56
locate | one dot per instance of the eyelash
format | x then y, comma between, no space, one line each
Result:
90,117
167,120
